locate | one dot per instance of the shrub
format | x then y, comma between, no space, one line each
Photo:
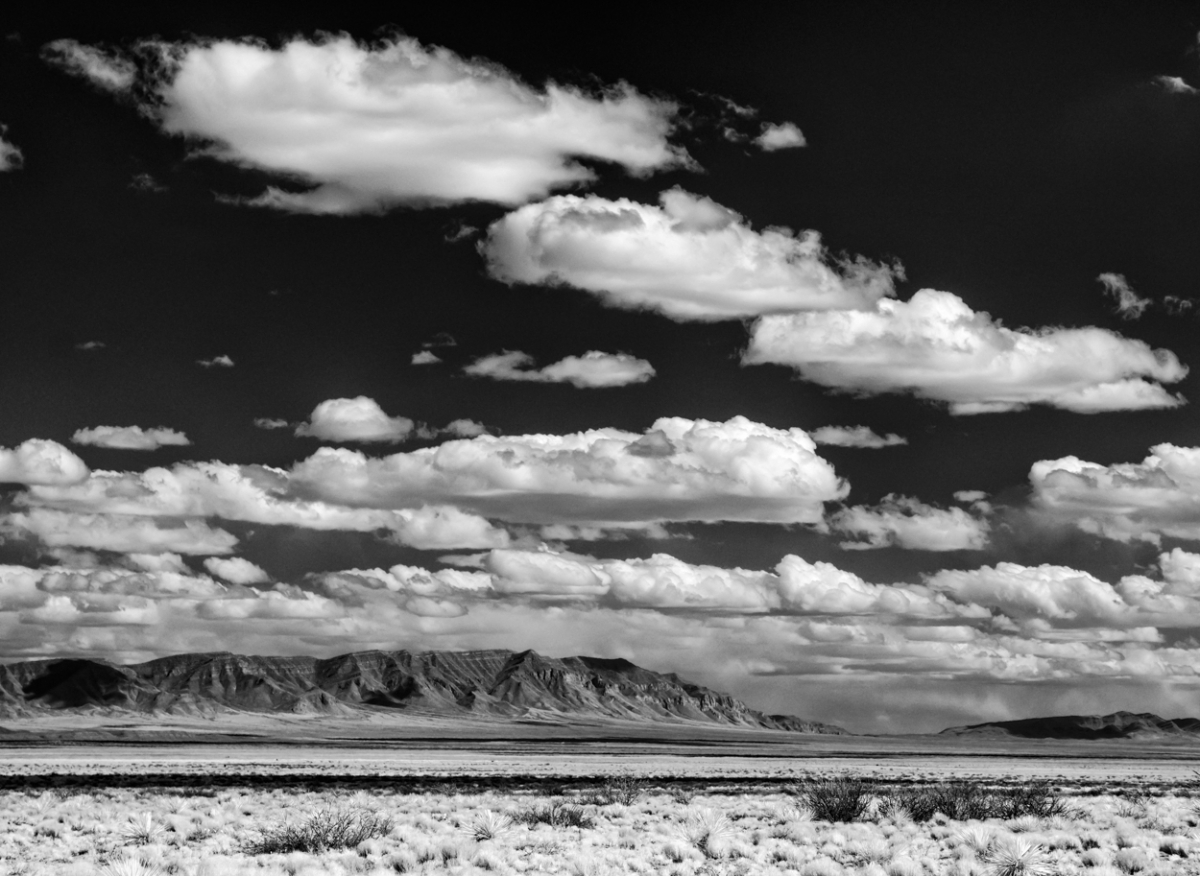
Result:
967,801
623,789
556,814
843,798
1131,860
322,831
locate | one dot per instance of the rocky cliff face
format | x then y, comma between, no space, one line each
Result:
1119,725
493,683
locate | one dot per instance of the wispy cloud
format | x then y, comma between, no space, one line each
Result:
130,437
108,70
216,362
589,371
856,436
11,158
1128,303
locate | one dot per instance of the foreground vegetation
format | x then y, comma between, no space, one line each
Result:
823,827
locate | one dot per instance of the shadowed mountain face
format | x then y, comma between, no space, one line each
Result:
484,683
1119,725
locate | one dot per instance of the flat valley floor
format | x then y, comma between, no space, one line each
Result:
101,796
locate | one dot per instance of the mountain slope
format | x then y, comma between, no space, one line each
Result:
1119,725
482,683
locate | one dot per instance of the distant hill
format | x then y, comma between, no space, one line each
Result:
503,684
1119,725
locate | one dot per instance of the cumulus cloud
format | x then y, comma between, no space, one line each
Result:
11,158
197,491
271,423
591,370
364,127
39,461
934,346
1159,496
1070,597
905,522
130,437
855,436
678,469
425,357
216,362
781,136
358,419
688,258
236,570
463,428
1128,303
104,69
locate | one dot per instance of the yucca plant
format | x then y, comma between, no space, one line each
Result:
488,825
142,829
1018,856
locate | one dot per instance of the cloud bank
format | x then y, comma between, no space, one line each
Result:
678,469
935,347
688,258
130,437
590,371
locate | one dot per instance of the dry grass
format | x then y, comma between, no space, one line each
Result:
712,831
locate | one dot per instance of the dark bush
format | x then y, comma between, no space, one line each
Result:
556,814
619,789
842,798
964,801
322,831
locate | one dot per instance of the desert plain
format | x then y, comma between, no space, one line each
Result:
281,796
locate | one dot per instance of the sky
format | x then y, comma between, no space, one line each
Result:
837,356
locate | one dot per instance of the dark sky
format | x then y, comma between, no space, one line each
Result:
1037,166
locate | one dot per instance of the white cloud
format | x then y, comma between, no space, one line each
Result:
119,532
40,461
236,570
130,437
271,423
781,136
905,522
200,490
970,496
463,428
1176,85
679,469
1128,303
358,419
855,436
936,347
591,370
106,70
1159,496
11,158
216,362
89,346
372,126
690,258
425,357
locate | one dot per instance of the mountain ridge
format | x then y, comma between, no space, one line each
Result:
1117,725
493,683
